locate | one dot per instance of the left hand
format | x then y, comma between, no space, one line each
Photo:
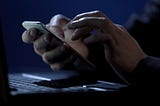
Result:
52,52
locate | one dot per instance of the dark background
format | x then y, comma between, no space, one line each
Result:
14,12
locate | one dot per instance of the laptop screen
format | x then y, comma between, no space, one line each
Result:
3,70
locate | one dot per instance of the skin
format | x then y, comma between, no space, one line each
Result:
125,52
121,50
55,54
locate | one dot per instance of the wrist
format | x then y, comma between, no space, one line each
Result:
139,58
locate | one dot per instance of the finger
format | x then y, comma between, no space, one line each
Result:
101,23
101,38
89,14
56,55
29,36
44,43
96,22
40,45
96,37
63,64
81,33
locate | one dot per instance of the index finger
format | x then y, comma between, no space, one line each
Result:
94,22
89,14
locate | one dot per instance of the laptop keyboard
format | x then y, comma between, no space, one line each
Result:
18,82
28,85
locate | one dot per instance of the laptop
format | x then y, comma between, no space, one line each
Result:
49,85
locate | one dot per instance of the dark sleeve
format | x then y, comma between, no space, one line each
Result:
147,73
145,27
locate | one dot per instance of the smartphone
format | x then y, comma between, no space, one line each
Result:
42,28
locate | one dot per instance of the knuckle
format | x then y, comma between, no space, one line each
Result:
82,19
39,51
59,16
121,26
45,58
79,15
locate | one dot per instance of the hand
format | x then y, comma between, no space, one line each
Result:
125,52
55,54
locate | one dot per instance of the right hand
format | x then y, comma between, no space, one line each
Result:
55,54
124,51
